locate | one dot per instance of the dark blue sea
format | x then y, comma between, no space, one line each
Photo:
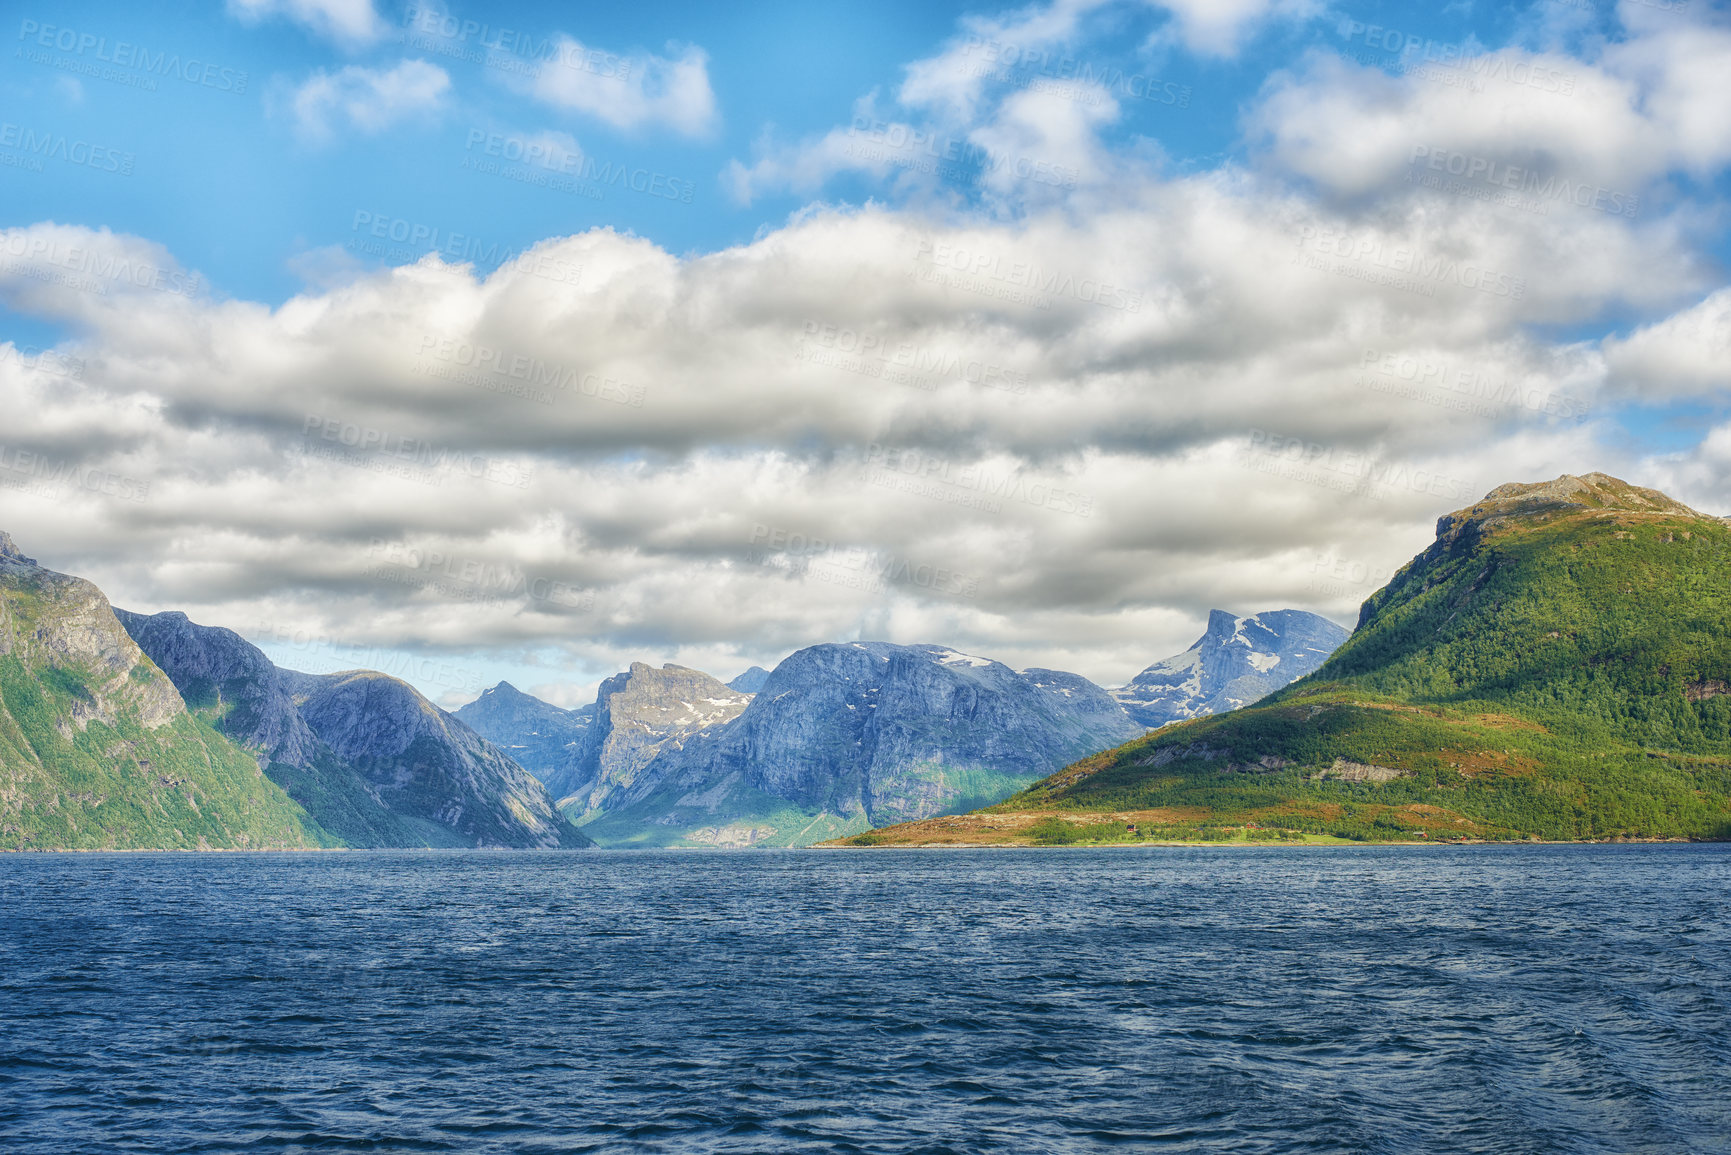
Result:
1429,999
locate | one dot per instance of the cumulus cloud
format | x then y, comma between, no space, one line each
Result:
352,23
633,91
1688,353
368,100
1056,434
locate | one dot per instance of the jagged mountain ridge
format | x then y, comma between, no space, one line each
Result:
845,731
640,714
1236,661
366,754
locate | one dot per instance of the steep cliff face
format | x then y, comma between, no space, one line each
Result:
218,669
844,735
538,736
427,766
639,715
97,748
374,762
1234,663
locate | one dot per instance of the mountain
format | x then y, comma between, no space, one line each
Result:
844,735
639,715
538,736
372,760
751,681
1237,661
429,767
1556,665
97,748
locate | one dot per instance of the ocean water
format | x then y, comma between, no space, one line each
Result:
1429,999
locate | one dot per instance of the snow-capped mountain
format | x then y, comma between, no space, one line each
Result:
1234,663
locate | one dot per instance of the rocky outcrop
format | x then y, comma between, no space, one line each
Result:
639,715
55,621
1235,662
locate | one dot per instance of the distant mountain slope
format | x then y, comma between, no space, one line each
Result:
842,735
751,681
1237,661
427,765
639,715
538,736
369,757
1557,665
97,749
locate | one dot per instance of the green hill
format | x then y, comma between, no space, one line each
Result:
1557,665
97,749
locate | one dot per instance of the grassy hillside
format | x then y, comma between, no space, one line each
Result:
96,750
1556,666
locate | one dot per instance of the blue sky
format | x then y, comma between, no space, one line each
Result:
222,179
1287,200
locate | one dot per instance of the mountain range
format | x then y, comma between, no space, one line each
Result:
843,736
1555,665
836,739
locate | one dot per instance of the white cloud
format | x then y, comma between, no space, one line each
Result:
366,99
352,23
1686,354
1221,27
630,92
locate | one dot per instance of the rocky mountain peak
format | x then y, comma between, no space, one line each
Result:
1236,661
751,681
9,551
1542,500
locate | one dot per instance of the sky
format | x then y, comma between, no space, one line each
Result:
525,341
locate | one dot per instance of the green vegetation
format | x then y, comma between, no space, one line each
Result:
1565,675
95,752
120,784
